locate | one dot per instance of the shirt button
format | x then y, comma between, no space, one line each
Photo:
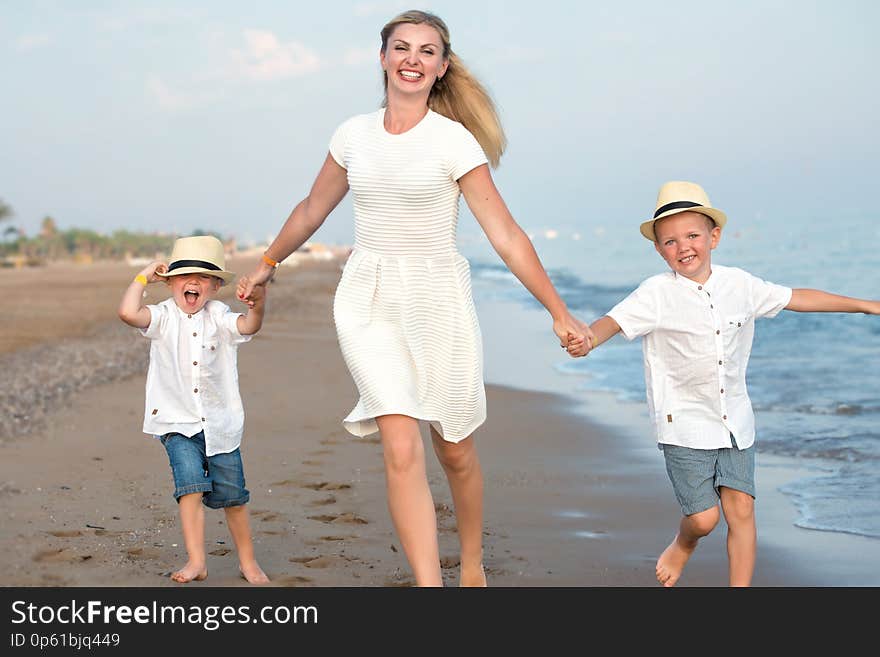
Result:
722,391
212,348
189,316
195,362
203,419
194,334
724,417
719,362
195,389
716,333
738,324
699,287
711,306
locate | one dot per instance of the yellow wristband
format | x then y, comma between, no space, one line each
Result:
269,261
140,278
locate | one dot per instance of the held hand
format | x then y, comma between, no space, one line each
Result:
250,293
246,284
574,336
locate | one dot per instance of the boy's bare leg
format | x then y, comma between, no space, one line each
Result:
690,530
462,467
742,536
192,522
238,521
409,496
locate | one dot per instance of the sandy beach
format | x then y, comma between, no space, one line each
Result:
86,496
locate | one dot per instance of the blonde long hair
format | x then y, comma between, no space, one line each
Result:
458,95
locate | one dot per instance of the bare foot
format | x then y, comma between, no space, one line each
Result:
253,573
190,572
473,577
671,563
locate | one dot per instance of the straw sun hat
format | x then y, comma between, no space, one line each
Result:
680,196
202,254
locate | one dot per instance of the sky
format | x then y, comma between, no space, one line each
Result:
216,115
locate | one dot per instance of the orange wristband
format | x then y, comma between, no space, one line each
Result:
270,262
140,278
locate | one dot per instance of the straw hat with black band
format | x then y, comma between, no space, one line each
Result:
201,254
681,196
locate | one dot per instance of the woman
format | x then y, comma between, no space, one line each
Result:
403,309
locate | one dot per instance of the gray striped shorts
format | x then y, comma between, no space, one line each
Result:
697,474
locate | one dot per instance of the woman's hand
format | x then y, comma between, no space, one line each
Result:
574,335
246,284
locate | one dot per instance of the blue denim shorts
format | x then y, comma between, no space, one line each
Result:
697,474
220,478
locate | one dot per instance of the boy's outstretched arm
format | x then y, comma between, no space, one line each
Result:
816,301
131,309
603,330
250,323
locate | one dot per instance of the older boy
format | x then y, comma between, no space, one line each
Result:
192,400
698,322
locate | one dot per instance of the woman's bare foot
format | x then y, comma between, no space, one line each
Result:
189,573
253,573
473,577
671,563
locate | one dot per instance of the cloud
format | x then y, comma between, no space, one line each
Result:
264,57
32,41
166,98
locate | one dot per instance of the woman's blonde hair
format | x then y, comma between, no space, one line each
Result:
458,95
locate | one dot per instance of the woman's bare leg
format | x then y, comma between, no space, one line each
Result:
409,496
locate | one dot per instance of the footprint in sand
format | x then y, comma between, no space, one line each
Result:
321,452
60,556
337,538
347,518
324,561
291,580
326,485
311,462
449,562
323,501
220,552
69,533
139,553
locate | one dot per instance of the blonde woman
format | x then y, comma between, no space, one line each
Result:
403,308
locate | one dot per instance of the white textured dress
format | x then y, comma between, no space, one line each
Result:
403,309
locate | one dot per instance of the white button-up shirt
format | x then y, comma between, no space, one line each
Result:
192,380
697,342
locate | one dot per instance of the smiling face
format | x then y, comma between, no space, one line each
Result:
192,291
413,58
685,241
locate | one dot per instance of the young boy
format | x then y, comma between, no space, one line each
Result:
698,321
192,400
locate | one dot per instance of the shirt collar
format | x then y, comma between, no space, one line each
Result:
693,285
186,315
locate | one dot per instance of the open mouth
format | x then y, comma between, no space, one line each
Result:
412,76
191,296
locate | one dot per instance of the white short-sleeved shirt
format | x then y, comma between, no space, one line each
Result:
192,379
697,342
